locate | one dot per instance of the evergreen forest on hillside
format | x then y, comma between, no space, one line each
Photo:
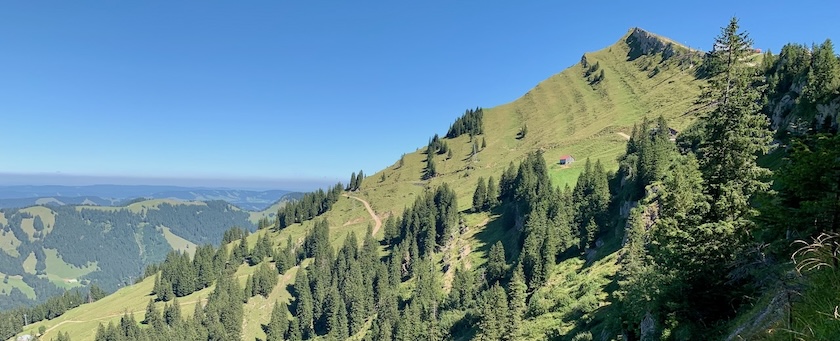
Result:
729,230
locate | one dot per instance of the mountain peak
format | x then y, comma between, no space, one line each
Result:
642,42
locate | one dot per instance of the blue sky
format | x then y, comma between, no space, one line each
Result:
273,92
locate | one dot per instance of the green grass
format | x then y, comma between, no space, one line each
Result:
9,243
564,114
58,267
817,313
29,263
178,243
258,309
574,299
15,282
47,217
268,212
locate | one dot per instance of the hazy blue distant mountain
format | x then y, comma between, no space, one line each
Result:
55,195
244,199
56,201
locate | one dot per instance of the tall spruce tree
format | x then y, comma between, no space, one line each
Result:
496,265
823,75
359,179
517,302
494,323
431,168
304,307
479,196
492,194
737,132
352,183
276,328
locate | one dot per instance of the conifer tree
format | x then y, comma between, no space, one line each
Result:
538,248
249,288
479,196
164,292
241,251
431,169
391,230
172,313
62,336
152,318
462,294
492,194
304,306
496,265
737,132
342,325
517,302
384,330
823,75
409,326
294,333
353,180
494,318
506,183
592,196
278,325
206,270
155,289
588,234
359,180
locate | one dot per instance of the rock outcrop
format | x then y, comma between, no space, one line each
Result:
642,43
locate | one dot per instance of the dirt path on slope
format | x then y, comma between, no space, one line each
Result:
376,220
627,137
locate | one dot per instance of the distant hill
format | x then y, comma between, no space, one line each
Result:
106,195
47,249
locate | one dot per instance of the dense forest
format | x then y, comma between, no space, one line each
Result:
312,204
729,212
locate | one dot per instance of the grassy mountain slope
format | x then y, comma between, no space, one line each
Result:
567,113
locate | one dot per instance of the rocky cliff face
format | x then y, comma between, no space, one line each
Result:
784,113
642,43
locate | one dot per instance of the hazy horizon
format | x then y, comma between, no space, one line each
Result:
242,183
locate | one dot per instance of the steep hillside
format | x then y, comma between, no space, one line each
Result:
567,114
587,111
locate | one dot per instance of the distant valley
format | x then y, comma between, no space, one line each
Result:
54,238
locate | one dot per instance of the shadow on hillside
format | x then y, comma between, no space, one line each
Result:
500,228
292,305
611,245
597,322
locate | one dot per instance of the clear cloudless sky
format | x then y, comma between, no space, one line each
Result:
278,93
